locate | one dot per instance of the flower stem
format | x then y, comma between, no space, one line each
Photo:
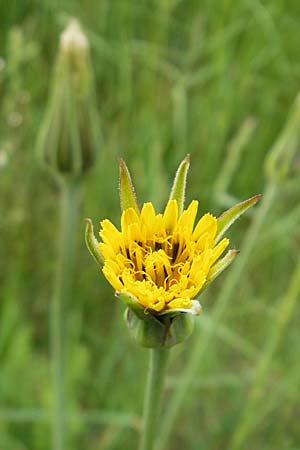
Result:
62,292
155,382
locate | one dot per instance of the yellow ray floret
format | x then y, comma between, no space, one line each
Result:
162,260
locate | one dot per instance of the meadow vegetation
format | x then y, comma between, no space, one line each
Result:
218,80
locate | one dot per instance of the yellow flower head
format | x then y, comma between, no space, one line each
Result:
162,260
158,263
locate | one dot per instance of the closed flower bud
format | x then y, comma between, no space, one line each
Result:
70,136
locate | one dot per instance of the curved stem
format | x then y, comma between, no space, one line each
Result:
62,292
155,383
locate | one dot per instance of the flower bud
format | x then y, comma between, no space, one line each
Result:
69,136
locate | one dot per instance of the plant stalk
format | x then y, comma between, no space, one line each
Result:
154,388
69,202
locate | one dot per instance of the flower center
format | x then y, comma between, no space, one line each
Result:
160,262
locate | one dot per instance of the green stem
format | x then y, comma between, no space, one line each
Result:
62,293
155,382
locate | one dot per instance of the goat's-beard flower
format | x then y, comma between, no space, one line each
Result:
159,263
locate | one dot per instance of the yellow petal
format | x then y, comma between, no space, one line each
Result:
138,253
158,304
197,274
129,216
207,224
199,282
203,242
112,278
134,232
147,220
106,251
205,260
187,218
179,303
109,233
219,249
149,267
170,215
113,266
158,226
187,254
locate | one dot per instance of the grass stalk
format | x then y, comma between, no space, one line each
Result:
155,383
277,328
92,417
234,153
62,293
180,118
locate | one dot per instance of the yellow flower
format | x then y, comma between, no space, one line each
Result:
162,260
158,263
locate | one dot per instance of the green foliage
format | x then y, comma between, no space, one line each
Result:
216,80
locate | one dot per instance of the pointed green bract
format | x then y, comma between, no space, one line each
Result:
91,242
127,194
228,217
220,266
134,306
178,188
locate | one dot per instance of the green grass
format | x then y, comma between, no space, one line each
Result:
217,80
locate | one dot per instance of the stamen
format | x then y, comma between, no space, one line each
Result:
175,251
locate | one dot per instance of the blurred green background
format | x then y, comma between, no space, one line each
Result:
217,80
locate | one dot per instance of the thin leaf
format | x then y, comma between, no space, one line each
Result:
230,216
